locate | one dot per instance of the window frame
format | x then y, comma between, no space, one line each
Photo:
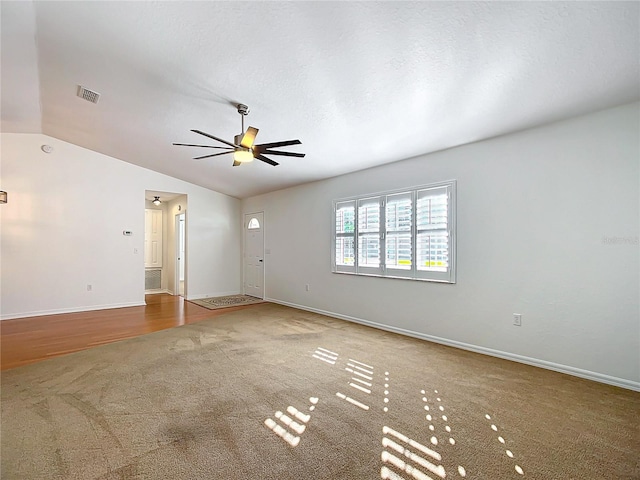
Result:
383,270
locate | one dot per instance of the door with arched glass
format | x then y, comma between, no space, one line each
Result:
254,254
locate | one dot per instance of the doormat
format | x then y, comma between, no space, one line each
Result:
213,303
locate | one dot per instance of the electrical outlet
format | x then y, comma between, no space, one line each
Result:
89,287
306,287
517,319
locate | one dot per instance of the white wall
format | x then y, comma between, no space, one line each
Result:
62,229
536,214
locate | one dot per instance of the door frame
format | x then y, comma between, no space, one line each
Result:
177,254
245,221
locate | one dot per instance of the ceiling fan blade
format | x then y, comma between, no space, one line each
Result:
235,163
212,155
249,137
215,138
286,154
266,160
266,146
205,146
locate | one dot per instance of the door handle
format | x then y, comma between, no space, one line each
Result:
260,260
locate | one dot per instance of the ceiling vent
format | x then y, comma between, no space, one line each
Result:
88,95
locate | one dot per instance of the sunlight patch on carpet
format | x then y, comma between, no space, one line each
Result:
392,460
352,401
402,457
508,452
288,424
325,355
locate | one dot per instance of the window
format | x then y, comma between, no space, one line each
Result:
253,224
369,234
399,221
400,234
345,225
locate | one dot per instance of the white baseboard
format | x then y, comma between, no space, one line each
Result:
199,296
577,372
57,311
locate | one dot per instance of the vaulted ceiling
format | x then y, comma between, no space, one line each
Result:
359,83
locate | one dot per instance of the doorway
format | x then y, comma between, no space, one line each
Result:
165,243
254,254
180,253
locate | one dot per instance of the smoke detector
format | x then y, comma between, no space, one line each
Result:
88,95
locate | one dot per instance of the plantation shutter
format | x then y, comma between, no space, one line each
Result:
408,233
398,234
433,238
345,215
369,236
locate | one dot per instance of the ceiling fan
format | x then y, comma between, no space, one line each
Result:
243,147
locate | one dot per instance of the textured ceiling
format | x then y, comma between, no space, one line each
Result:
359,83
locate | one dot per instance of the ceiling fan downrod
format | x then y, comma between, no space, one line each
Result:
242,110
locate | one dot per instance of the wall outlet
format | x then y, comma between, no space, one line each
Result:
517,319
89,287
306,287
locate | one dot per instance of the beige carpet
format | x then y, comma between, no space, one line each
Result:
213,303
272,392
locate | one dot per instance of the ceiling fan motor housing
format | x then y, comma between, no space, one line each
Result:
243,109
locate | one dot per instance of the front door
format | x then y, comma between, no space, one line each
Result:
254,254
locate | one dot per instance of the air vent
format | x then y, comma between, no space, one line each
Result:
88,95
152,279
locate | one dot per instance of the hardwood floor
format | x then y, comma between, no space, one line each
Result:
29,340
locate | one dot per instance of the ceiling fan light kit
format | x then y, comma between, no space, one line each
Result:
243,156
243,148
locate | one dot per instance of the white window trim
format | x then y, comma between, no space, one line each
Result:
413,273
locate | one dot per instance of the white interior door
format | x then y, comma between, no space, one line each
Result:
152,238
254,254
